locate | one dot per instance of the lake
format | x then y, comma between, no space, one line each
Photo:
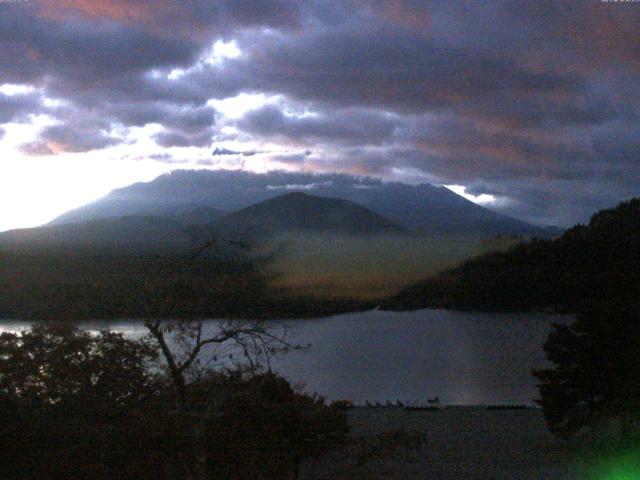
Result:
464,358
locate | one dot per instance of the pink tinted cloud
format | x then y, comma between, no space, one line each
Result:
165,17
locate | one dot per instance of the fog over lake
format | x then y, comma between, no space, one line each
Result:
464,358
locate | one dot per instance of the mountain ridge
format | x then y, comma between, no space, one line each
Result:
291,212
421,208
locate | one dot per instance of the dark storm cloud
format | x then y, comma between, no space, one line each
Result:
17,108
191,119
459,149
94,41
351,125
184,119
384,67
561,202
533,101
272,13
195,19
295,159
593,33
559,178
78,52
224,151
218,151
176,138
538,111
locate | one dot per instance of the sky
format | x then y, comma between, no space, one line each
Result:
529,107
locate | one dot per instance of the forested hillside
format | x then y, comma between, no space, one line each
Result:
593,264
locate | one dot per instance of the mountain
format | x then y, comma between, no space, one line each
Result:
173,232
437,210
134,233
120,203
593,265
138,227
298,211
420,208
195,216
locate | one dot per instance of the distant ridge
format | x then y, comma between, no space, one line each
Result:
420,208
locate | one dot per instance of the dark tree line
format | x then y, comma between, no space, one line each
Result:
75,405
50,286
587,266
595,379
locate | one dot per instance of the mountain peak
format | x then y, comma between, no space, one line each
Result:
296,211
293,196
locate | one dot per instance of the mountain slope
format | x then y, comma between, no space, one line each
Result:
430,209
144,233
132,227
301,212
121,203
594,264
421,208
135,233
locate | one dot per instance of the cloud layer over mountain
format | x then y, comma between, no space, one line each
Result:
533,102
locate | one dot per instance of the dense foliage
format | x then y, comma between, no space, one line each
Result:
75,405
80,406
56,367
259,427
586,266
53,286
595,374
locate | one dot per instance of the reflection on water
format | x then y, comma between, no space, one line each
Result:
463,358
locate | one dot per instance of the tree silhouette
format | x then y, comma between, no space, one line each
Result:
56,365
586,266
75,404
80,405
183,342
595,377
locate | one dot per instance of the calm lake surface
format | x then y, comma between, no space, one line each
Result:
463,358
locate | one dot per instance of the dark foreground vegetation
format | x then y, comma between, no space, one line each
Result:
594,383
74,405
89,285
587,266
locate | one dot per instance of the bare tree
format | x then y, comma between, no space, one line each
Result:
193,346
189,349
